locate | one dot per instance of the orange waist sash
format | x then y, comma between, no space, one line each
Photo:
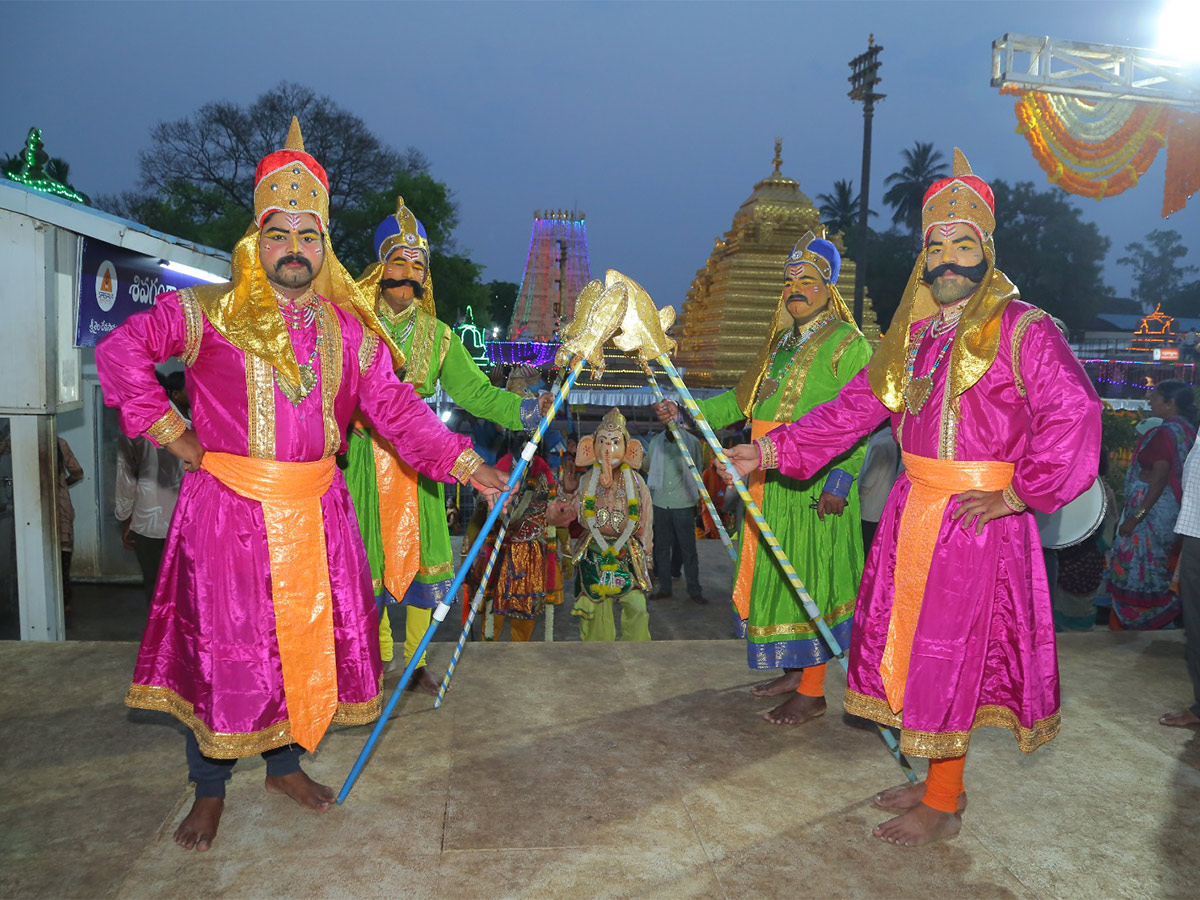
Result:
934,482
745,573
290,494
399,517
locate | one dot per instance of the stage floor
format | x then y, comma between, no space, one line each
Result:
581,770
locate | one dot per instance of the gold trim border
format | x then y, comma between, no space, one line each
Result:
1018,336
1015,503
466,464
170,427
260,408
193,324
768,452
366,351
947,744
804,629
226,745
331,377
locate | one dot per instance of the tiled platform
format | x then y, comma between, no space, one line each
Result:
576,770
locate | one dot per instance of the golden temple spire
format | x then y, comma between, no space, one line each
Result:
777,162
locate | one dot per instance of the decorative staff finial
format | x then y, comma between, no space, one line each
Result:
778,160
598,313
644,326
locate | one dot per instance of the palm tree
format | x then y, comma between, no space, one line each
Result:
922,166
840,209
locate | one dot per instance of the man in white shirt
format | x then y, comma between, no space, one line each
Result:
1188,526
675,496
147,489
879,472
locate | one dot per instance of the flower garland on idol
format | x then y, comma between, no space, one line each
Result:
609,553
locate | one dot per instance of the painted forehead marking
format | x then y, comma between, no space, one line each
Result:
412,254
946,229
293,220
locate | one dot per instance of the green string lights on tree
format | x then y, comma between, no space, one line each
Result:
29,168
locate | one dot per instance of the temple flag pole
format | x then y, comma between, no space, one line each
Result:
476,605
643,331
693,468
598,312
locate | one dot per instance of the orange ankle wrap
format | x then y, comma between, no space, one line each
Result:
944,783
812,681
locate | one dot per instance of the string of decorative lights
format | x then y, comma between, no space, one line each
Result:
522,353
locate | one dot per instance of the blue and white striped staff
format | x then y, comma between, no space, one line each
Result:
643,331
693,468
769,538
476,605
599,311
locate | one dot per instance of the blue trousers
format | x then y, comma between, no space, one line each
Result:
211,774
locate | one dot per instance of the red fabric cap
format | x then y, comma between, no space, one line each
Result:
280,158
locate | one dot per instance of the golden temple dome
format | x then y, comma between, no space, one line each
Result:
728,311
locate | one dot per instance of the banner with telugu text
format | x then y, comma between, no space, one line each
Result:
114,283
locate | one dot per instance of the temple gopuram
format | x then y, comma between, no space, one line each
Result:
730,304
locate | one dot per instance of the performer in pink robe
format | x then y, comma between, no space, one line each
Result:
262,629
995,418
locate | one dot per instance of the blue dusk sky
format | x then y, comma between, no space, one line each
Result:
653,118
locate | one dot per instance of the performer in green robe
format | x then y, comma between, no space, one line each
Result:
401,514
814,348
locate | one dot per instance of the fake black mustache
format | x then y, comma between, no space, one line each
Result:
389,284
293,258
973,274
793,298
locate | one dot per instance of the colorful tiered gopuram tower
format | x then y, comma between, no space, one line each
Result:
730,304
556,270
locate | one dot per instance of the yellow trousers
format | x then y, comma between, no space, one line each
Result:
519,629
416,623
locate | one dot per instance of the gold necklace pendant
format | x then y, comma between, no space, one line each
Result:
295,394
767,388
916,393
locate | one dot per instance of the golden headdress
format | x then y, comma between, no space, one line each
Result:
823,256
291,181
965,198
614,421
401,229
245,310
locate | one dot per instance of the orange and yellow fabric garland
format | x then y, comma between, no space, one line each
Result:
1102,148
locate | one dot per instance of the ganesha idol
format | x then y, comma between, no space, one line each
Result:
614,505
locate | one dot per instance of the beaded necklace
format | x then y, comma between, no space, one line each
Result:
917,390
400,335
300,315
790,342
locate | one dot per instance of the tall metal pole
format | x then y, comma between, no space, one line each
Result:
864,77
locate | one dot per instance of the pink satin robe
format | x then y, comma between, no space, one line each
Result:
209,654
984,648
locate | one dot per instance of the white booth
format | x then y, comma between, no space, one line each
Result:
57,257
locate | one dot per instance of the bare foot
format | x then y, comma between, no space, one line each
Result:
784,684
796,710
1185,719
199,827
302,789
906,796
424,682
920,825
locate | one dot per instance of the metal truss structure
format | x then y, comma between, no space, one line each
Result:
1099,71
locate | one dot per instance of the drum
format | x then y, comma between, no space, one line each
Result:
1075,522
